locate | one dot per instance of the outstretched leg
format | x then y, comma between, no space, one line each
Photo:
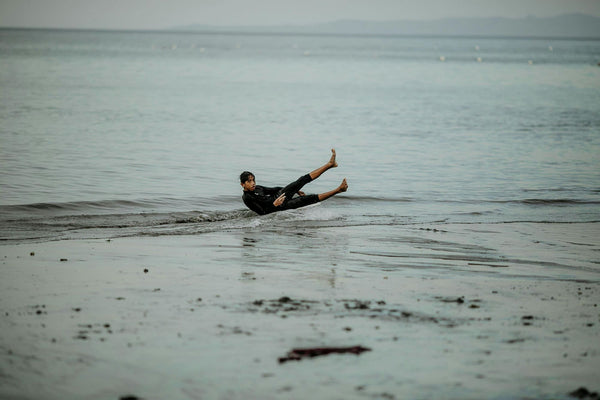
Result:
331,164
285,196
303,201
293,188
342,188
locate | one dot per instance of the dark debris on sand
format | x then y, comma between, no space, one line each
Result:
583,393
299,354
86,331
343,308
283,304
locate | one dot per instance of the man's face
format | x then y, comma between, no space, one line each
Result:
249,184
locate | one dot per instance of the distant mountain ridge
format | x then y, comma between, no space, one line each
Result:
567,26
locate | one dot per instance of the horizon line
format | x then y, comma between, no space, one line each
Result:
233,32
298,25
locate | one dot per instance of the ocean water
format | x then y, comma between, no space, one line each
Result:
110,134
474,177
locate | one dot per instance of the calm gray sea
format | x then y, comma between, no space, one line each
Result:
474,173
120,133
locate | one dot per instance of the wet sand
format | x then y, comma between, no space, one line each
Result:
504,311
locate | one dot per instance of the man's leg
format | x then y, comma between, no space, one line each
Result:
331,164
294,187
342,188
302,201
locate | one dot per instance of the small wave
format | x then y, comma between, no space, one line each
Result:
557,189
113,206
425,200
71,206
526,201
550,202
374,199
120,206
512,221
113,225
172,216
124,224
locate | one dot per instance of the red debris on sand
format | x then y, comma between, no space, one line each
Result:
298,354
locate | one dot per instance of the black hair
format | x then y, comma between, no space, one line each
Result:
244,176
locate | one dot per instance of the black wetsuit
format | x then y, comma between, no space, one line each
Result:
261,199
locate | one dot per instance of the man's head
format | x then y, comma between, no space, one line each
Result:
247,180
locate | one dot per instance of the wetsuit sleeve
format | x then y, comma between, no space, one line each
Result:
272,191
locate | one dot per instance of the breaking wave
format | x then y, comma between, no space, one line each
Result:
171,216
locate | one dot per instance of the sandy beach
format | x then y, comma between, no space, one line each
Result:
455,314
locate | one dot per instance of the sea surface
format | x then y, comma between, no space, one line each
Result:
112,134
465,253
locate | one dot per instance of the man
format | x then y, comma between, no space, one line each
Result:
264,200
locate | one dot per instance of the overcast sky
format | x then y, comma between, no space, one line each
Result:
160,14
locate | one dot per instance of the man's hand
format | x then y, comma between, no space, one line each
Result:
279,201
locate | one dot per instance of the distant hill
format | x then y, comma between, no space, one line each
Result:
567,26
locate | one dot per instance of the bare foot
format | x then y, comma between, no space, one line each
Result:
343,186
332,161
